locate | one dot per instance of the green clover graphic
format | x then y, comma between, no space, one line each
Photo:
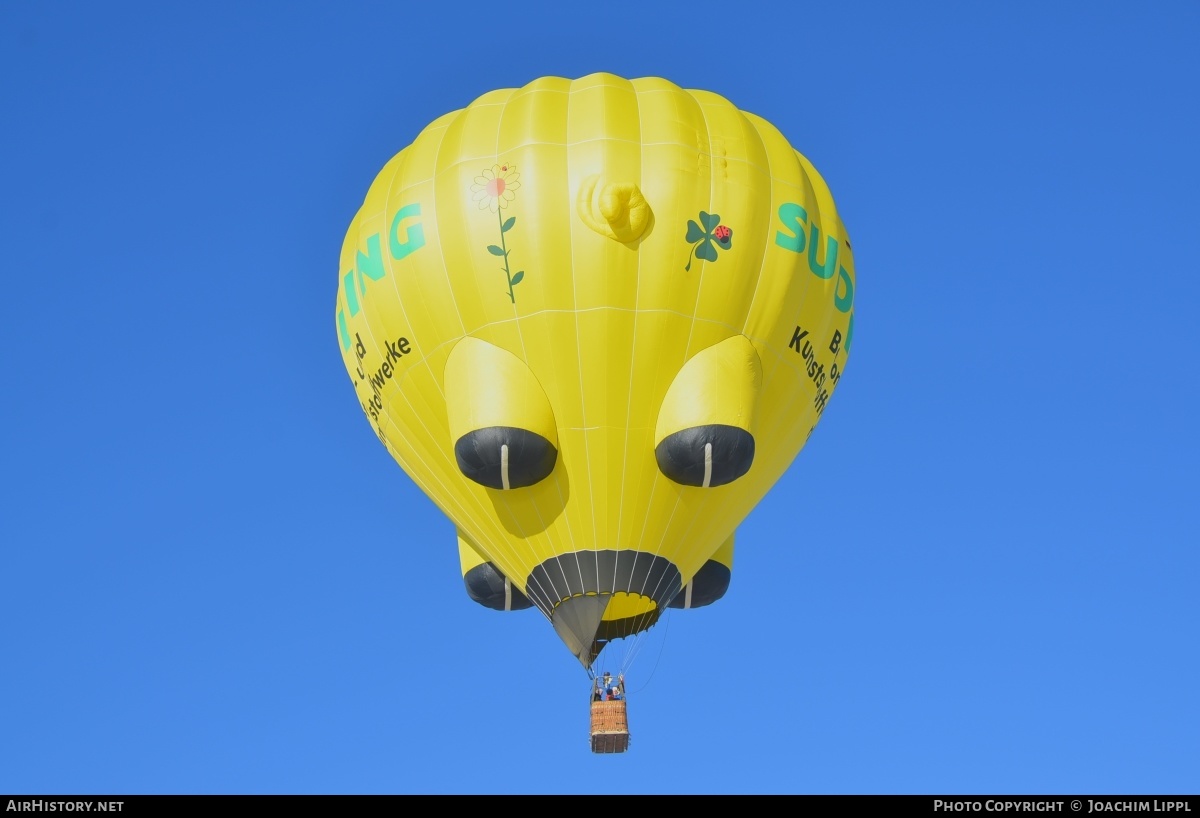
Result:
706,237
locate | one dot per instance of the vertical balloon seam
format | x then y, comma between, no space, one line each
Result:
682,97
628,109
638,625
473,512
563,520
438,138
528,577
760,345
544,528
657,484
645,620
622,104
827,218
767,344
394,185
746,161
608,99
831,224
832,316
764,260
472,509
609,102
705,147
356,283
740,329
524,546
633,347
561,421
520,540
436,475
504,109
576,107
747,125
612,101
640,620
359,286
433,207
812,289
560,595
544,533
764,345
504,499
631,92
513,545
781,418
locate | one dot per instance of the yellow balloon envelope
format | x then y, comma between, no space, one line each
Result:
595,320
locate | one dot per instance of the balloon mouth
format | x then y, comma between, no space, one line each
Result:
582,625
593,597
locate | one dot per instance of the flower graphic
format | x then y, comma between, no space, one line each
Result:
493,190
495,187
706,237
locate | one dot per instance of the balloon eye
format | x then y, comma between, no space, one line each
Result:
505,457
706,456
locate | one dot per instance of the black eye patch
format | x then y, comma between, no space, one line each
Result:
706,456
505,457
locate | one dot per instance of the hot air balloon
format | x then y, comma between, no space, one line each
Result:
595,320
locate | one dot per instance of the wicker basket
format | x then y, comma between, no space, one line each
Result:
610,727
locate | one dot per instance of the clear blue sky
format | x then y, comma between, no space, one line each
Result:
980,576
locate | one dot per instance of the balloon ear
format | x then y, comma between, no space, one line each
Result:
501,423
704,435
617,210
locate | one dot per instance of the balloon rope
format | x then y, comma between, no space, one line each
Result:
657,659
